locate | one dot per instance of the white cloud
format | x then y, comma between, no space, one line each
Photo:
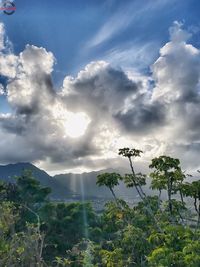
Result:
8,61
177,70
8,65
32,81
1,90
177,75
121,109
2,34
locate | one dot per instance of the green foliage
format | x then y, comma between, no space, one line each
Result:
18,248
35,231
127,152
112,258
131,180
29,190
108,179
66,221
174,248
167,175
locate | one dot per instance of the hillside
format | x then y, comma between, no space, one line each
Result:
85,184
8,172
69,185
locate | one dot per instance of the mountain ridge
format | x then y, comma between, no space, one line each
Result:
67,185
9,171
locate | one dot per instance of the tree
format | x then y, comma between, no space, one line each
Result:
22,248
30,192
174,248
65,224
112,258
35,231
110,180
166,176
135,245
193,190
129,153
137,180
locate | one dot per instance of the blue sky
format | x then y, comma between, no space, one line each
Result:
139,77
134,31
67,28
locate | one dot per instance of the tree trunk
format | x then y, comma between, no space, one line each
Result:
169,190
141,194
113,193
143,197
198,219
181,195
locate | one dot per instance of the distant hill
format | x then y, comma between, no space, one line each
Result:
7,173
85,184
69,185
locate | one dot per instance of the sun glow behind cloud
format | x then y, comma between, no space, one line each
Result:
76,124
103,108
72,124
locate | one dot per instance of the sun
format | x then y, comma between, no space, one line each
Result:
76,124
73,124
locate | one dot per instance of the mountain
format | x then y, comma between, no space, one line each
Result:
85,185
69,185
7,173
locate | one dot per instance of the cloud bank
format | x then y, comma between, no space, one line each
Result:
120,108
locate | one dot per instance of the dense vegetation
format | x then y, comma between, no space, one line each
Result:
37,232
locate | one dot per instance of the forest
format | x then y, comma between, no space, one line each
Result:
156,231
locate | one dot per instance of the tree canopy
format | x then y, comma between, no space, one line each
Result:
154,231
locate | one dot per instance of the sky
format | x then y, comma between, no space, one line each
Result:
81,79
